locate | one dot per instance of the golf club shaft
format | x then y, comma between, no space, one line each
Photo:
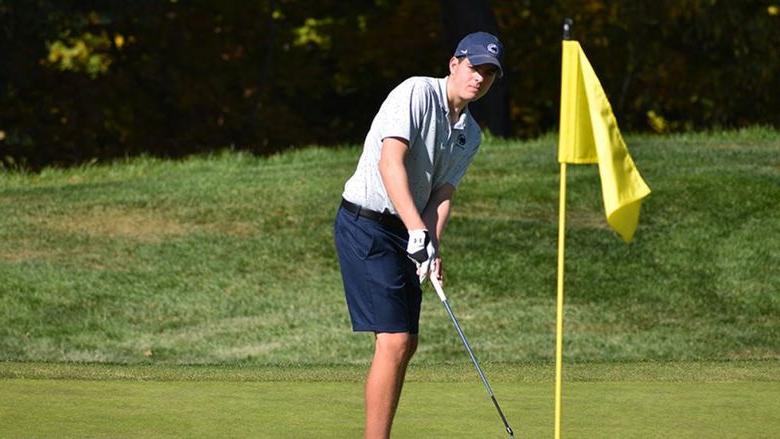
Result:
468,348
440,292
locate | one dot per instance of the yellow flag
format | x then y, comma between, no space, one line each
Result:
589,134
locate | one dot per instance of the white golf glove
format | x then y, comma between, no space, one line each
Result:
420,250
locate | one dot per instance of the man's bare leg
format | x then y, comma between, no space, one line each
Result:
385,381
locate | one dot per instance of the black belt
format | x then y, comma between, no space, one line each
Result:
386,219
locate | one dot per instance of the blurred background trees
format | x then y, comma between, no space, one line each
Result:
84,80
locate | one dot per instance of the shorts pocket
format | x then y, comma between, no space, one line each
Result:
353,238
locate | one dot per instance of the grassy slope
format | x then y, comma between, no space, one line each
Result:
230,258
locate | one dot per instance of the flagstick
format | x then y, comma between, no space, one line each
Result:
559,320
567,24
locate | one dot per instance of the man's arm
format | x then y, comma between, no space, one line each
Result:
437,211
435,216
396,181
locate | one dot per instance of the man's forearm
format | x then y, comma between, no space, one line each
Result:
437,212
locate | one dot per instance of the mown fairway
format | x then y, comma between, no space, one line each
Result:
639,400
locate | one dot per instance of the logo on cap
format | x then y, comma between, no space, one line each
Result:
492,48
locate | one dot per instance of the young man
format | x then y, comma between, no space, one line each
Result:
395,208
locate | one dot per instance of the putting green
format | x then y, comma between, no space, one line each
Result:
46,408
433,405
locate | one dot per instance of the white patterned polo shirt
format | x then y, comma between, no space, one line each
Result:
439,152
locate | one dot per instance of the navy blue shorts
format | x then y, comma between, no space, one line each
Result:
380,282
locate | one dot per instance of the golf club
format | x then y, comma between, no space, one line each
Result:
440,292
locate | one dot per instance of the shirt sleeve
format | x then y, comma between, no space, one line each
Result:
406,111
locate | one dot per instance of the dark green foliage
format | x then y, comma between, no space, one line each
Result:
100,80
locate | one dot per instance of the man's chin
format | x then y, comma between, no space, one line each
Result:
470,97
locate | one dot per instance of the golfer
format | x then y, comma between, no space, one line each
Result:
395,208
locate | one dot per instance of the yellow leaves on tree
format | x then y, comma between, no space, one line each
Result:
87,53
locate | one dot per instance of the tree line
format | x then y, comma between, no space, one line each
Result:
85,80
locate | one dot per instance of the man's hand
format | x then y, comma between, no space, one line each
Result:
420,249
437,270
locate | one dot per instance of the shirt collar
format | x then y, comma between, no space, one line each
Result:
461,122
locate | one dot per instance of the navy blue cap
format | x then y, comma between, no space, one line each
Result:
481,48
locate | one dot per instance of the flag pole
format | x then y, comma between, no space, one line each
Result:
559,313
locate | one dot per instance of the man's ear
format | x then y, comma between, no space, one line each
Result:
453,64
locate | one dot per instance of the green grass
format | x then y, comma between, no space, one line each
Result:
201,298
639,400
229,259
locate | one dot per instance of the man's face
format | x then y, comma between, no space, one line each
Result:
471,82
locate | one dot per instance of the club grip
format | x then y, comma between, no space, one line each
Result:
438,288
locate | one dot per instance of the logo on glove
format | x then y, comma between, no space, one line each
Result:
421,251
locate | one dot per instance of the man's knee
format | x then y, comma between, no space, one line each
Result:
400,346
412,348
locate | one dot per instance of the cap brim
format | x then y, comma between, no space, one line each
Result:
478,60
